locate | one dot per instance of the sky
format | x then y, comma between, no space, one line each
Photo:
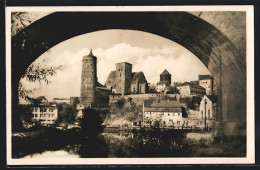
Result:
146,52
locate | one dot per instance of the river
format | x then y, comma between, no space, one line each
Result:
132,145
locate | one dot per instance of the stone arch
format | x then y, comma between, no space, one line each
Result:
211,46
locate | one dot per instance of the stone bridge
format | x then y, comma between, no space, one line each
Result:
218,39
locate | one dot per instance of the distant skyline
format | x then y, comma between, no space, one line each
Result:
146,52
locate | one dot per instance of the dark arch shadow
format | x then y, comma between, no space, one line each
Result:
209,44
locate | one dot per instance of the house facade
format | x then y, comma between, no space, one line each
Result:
189,89
45,113
166,112
208,106
206,81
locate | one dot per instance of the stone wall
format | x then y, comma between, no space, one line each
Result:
139,98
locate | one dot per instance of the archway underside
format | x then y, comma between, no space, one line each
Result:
210,45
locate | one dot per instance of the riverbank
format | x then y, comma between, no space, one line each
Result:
128,143
25,143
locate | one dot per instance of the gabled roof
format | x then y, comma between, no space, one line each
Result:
212,98
111,79
162,106
165,72
185,84
99,85
162,103
138,77
191,85
40,98
205,77
196,82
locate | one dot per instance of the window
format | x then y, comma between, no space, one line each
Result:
178,122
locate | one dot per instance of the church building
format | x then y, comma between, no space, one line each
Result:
123,81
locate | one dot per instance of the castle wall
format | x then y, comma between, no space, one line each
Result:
139,98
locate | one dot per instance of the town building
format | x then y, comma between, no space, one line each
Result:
188,89
165,81
61,100
206,81
166,112
124,81
139,84
210,102
45,113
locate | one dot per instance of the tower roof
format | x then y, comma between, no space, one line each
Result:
90,54
165,72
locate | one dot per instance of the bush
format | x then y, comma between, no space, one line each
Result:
120,103
66,113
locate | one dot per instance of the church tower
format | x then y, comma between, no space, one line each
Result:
88,79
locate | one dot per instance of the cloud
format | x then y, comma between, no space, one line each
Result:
181,63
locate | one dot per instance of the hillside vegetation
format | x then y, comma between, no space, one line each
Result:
123,112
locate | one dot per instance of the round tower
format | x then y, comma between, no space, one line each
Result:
88,79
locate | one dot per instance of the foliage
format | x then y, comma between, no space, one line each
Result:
36,72
19,21
156,124
67,113
152,89
120,103
192,103
91,122
24,114
172,90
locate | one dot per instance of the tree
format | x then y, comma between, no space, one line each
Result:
91,122
36,72
67,113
